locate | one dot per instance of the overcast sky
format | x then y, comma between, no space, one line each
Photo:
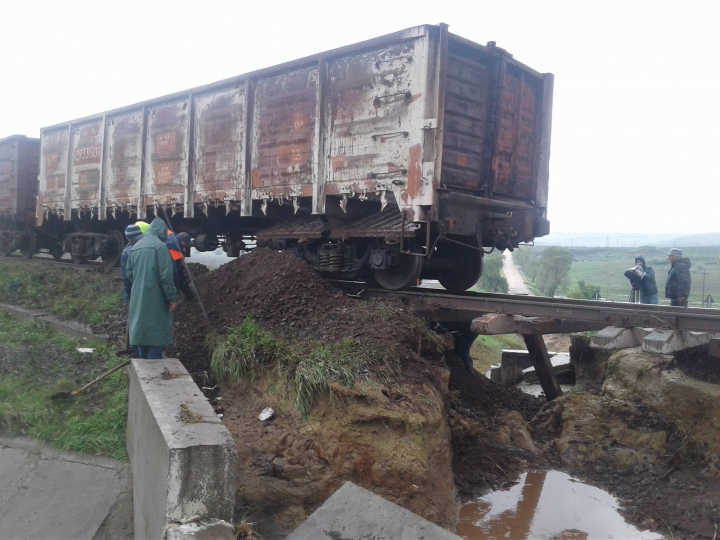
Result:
636,117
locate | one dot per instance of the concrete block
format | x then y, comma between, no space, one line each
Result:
511,365
561,365
671,341
183,458
495,373
353,512
613,338
211,529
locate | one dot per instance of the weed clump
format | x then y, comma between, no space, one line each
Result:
307,367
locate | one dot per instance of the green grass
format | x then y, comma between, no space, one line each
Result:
69,293
310,368
37,363
605,267
487,350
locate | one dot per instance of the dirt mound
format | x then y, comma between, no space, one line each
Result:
198,269
281,292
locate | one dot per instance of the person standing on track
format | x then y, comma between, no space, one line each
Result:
153,296
677,287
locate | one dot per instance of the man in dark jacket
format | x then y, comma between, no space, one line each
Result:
154,297
677,287
642,278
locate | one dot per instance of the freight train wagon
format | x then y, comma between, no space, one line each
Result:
19,160
402,157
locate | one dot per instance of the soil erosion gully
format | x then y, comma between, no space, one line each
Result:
470,314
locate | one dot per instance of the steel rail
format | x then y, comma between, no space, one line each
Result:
467,306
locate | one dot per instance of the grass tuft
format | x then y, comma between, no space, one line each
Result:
308,368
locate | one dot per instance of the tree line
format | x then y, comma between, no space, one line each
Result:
547,269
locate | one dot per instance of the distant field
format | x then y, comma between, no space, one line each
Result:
605,267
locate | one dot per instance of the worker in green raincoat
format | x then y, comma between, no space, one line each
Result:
153,296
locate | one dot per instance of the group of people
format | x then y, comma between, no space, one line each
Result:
152,274
677,286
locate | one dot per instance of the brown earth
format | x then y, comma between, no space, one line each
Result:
649,436
412,439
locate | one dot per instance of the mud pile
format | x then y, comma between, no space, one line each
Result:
281,292
412,438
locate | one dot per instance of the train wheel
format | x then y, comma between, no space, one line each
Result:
116,244
468,274
28,243
403,275
78,260
56,252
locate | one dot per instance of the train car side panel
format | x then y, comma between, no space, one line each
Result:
283,134
219,146
375,118
86,165
53,174
166,167
123,161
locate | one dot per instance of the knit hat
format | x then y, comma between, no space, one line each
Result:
143,226
133,233
675,251
184,238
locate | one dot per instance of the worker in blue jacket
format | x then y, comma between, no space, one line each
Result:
642,278
133,233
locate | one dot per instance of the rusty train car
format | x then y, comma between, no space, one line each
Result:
406,156
19,161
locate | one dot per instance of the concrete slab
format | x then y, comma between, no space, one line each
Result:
613,338
671,341
354,513
183,458
47,494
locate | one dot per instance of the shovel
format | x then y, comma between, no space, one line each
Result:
61,395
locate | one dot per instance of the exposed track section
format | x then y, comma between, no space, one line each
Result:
39,259
445,306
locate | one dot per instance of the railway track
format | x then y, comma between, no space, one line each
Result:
96,266
467,306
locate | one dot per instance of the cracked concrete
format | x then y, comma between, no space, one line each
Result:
49,494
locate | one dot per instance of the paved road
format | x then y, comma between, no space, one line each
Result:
46,494
515,280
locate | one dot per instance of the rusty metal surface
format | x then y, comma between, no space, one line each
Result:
53,172
166,147
218,152
383,225
19,160
86,150
123,160
302,228
390,119
444,306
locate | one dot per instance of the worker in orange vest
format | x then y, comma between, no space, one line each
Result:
177,245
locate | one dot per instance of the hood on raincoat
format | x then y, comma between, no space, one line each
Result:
642,260
159,229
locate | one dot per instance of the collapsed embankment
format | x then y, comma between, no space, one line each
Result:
644,430
362,391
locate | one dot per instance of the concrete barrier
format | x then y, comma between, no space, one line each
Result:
183,458
69,328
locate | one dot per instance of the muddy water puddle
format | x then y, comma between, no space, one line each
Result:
547,505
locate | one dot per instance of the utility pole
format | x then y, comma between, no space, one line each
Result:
702,298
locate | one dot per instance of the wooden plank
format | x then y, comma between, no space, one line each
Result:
543,368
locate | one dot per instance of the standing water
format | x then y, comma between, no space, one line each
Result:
548,505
